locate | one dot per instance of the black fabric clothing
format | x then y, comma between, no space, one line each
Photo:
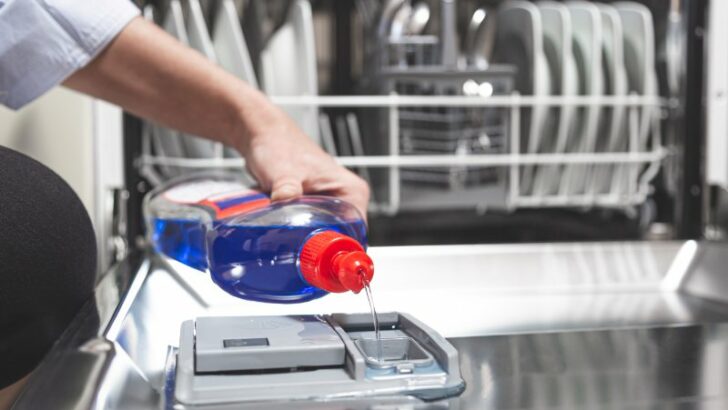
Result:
47,261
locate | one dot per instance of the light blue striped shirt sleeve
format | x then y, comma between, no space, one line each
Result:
42,42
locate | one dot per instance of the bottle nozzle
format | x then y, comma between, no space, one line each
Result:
354,270
335,263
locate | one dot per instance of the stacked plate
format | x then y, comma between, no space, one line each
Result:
519,42
578,48
230,49
291,46
185,21
188,23
288,65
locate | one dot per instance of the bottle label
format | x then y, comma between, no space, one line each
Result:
235,203
223,198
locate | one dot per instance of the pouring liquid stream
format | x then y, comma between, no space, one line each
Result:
375,319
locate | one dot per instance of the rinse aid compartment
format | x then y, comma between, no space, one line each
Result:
308,357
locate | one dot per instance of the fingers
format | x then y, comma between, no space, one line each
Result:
288,170
352,189
286,188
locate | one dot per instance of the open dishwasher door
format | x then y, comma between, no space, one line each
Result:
628,325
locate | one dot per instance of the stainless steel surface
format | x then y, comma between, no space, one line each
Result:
618,325
708,276
664,367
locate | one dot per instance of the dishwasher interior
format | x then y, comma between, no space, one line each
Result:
539,205
482,122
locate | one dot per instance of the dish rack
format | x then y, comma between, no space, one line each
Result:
640,166
437,133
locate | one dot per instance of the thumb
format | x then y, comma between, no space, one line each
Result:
286,188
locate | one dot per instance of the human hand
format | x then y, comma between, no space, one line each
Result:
151,74
288,163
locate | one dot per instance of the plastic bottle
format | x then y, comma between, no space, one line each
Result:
283,252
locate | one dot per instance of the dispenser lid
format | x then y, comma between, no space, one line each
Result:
264,343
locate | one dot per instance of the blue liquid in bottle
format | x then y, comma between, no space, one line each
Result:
182,240
253,248
261,262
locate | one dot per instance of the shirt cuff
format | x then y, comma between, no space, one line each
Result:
48,40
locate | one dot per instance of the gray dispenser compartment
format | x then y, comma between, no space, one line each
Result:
287,358
265,343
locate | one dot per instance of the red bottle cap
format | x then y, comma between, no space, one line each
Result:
335,263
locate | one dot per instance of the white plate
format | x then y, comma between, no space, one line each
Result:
481,38
587,35
167,142
357,146
613,132
199,39
343,141
197,32
557,37
174,22
639,57
164,143
230,46
388,10
519,42
148,13
288,65
231,50
327,134
400,21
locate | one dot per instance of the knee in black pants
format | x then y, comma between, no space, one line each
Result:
47,261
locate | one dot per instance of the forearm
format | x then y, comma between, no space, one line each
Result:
151,74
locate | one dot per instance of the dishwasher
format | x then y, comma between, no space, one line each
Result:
547,216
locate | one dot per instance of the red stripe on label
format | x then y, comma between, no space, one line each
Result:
236,209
